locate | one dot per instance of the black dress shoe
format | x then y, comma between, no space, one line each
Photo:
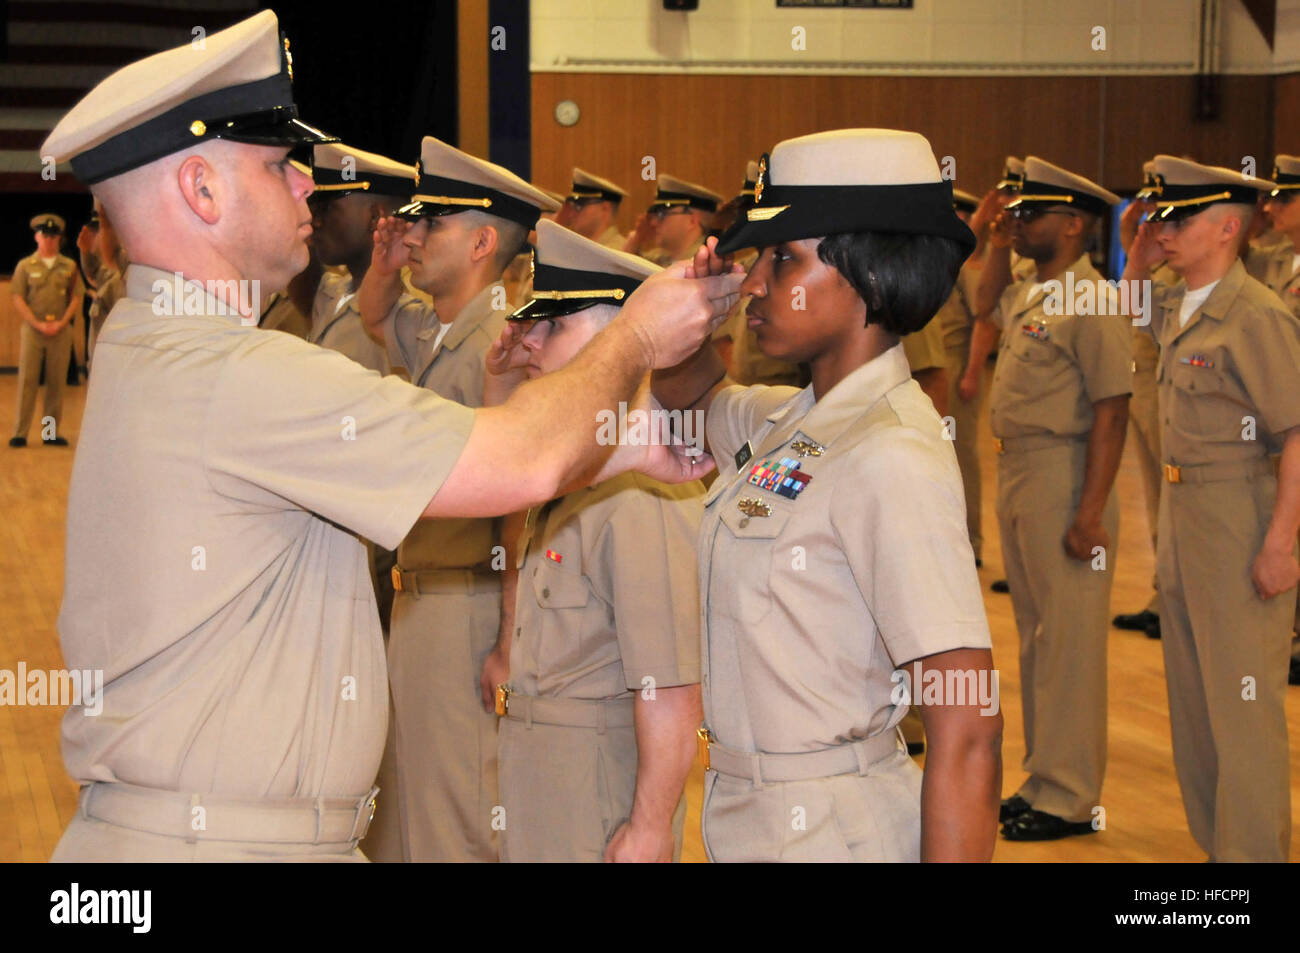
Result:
916,747
1153,628
17,441
55,442
979,563
1011,807
1039,825
1135,621
1294,677
1000,585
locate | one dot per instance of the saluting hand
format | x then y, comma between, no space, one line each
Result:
1129,222
1145,250
1275,571
988,210
86,239
390,254
506,364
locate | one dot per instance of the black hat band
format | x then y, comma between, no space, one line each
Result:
667,199
792,212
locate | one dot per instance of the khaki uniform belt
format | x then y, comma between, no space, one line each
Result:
761,768
1217,472
1035,442
272,820
424,582
569,712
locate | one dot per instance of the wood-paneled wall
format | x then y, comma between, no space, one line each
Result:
1286,114
704,128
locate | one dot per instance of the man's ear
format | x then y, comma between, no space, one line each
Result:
486,239
197,180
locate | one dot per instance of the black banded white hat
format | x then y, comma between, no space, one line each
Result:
588,186
339,169
848,180
236,86
1189,187
964,201
448,181
1286,174
49,223
1013,174
672,191
572,273
1046,184
1152,184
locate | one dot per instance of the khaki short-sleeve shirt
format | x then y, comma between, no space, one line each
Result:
454,369
1229,380
214,571
810,603
336,323
608,594
1059,355
47,289
955,319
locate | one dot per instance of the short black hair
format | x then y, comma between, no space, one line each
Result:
904,279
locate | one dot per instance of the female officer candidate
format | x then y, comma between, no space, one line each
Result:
833,549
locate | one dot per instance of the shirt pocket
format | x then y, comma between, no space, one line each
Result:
1032,350
749,553
557,588
1206,404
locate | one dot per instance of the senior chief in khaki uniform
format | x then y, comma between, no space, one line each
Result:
223,592
1229,381
837,509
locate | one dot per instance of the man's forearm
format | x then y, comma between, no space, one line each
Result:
665,742
983,339
959,796
1285,523
375,300
1105,448
994,278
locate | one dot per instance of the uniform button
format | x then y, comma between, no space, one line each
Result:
546,592
744,521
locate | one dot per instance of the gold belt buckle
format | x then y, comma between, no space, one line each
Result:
1173,474
397,579
503,699
997,445
702,740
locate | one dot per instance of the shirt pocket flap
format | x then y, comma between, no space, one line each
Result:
557,589
745,526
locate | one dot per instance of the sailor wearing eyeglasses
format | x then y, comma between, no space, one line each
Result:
676,223
1058,409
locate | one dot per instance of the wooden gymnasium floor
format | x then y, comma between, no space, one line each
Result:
1143,810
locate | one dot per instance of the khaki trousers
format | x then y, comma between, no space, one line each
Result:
1226,657
445,741
57,351
1062,608
966,419
566,790
1144,436
864,818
